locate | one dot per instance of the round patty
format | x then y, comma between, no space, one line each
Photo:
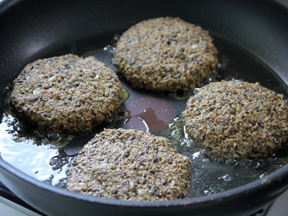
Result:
66,94
130,165
237,120
165,54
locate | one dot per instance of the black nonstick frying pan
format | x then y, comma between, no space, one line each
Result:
30,30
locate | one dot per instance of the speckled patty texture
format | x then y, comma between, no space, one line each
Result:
66,94
237,120
165,54
130,165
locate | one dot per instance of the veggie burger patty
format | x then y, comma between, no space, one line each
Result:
130,165
66,94
165,54
237,120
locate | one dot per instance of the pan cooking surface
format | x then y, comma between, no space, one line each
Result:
48,157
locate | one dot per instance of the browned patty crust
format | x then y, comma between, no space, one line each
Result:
130,165
66,94
165,54
237,120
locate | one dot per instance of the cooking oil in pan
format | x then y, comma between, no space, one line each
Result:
48,157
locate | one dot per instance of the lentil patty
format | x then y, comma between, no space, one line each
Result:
66,94
130,165
237,120
165,54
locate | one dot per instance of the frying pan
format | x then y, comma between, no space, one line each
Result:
30,30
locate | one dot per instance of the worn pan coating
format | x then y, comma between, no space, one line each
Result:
35,29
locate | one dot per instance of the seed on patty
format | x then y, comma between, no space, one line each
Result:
248,121
120,164
165,54
66,94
